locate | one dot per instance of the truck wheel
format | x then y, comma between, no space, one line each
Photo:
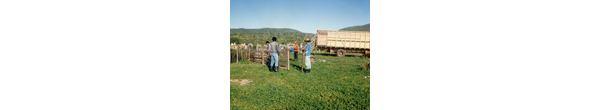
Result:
341,52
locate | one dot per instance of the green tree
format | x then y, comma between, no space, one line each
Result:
234,40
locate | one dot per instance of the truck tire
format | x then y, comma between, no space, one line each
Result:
341,52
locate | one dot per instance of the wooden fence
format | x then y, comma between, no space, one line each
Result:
284,57
260,55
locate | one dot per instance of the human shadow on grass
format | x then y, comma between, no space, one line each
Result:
324,54
335,55
296,67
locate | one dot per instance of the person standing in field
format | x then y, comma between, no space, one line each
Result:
301,45
295,52
268,46
307,50
269,59
292,50
274,55
301,52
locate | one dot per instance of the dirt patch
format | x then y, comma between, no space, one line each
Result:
241,81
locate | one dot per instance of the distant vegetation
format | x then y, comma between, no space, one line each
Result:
366,27
234,40
284,35
264,30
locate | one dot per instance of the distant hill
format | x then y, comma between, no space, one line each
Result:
264,30
366,27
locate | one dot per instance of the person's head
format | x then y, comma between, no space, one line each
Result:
307,40
295,42
274,39
267,42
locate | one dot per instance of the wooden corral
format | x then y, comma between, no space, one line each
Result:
260,54
284,57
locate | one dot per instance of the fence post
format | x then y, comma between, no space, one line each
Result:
237,59
288,60
241,55
248,53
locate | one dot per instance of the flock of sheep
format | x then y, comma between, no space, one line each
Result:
245,46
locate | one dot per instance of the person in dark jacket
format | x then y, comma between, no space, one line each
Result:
268,63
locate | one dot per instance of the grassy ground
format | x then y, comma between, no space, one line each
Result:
336,83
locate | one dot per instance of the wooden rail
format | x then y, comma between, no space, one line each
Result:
261,56
286,59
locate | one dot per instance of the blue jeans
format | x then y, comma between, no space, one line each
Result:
274,59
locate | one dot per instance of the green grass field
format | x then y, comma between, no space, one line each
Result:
336,83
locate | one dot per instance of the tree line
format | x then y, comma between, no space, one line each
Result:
260,38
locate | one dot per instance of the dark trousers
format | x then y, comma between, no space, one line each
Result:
268,62
296,56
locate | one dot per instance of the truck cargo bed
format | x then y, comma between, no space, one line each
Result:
343,39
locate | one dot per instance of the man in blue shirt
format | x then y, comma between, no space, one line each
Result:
308,48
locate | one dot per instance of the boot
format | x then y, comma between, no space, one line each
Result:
308,70
270,69
276,68
273,68
305,70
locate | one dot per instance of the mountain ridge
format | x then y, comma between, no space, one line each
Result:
366,27
263,30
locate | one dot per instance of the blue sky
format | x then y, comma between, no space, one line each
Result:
302,15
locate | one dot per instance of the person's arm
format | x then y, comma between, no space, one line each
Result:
306,48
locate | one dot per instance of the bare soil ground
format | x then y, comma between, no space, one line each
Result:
241,81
